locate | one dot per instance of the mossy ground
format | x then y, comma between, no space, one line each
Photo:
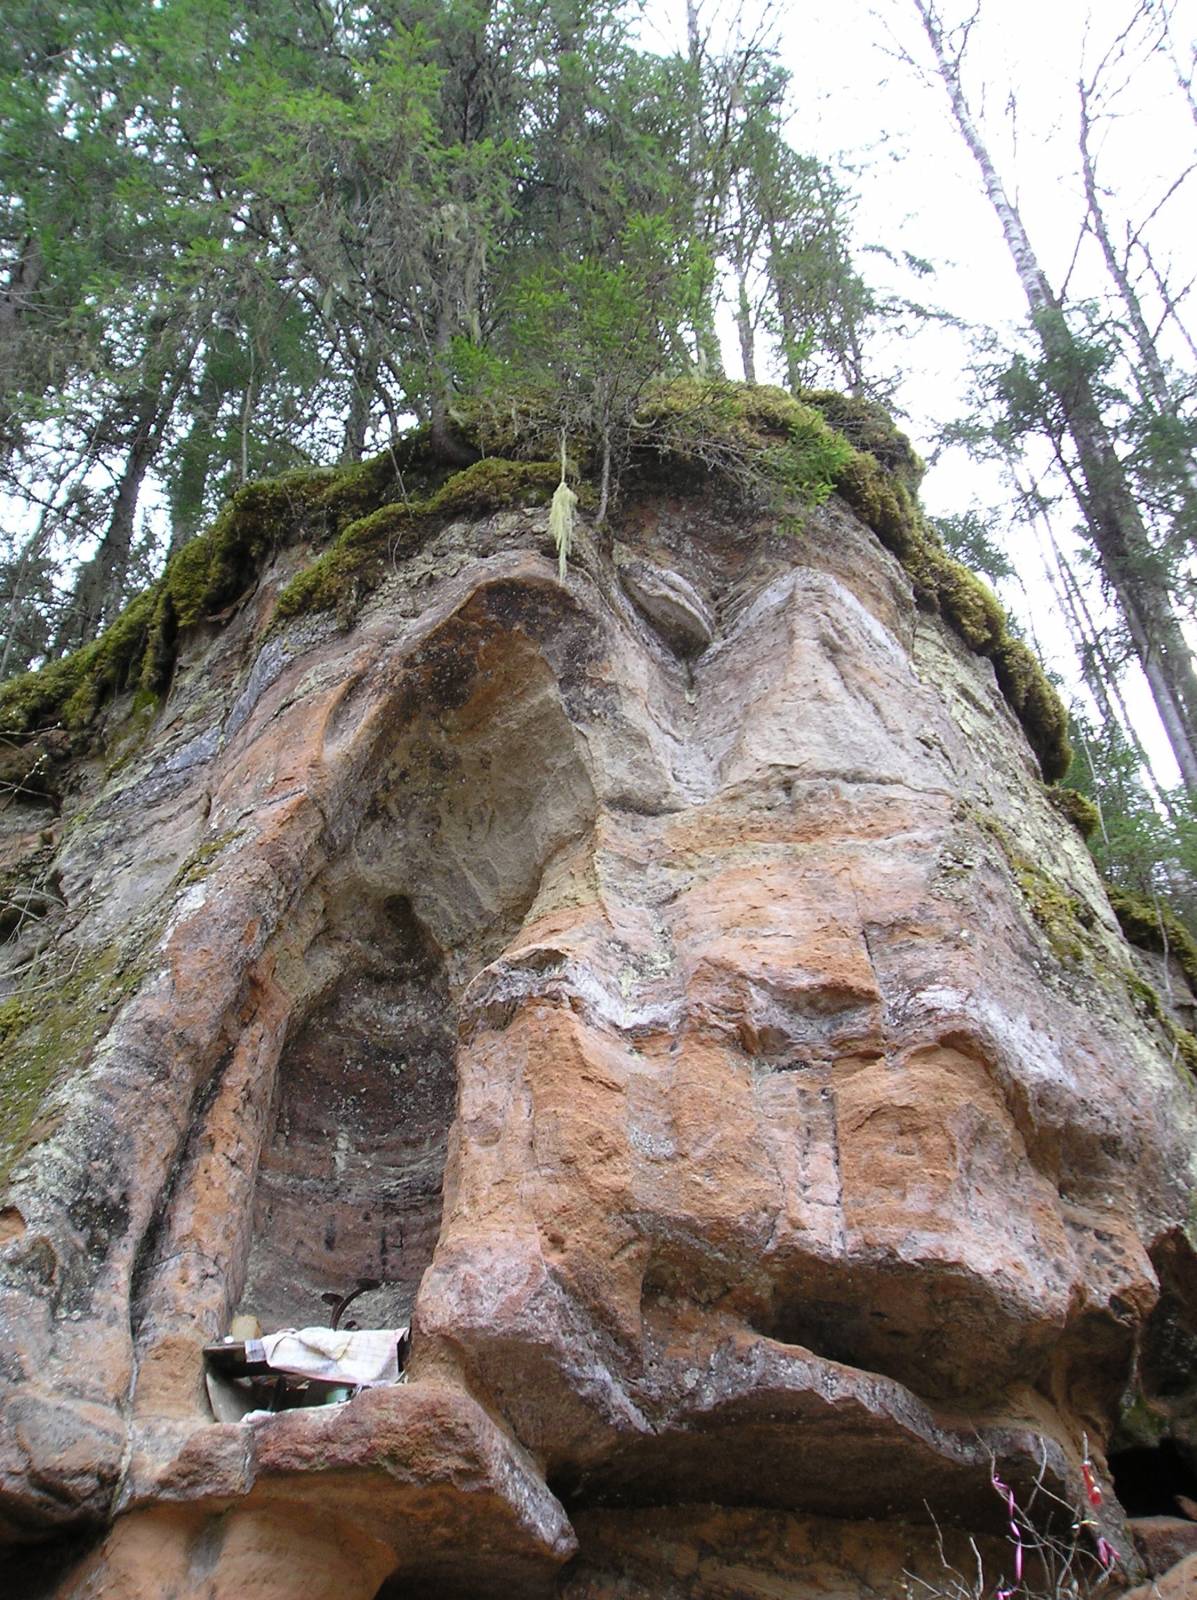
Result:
764,443
353,564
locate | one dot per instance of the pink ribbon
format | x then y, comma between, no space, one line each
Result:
1007,1495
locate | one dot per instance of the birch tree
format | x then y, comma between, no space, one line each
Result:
1137,578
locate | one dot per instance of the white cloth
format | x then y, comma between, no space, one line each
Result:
362,1357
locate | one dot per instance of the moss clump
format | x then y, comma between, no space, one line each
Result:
1078,809
202,579
869,428
883,502
1153,927
1059,914
767,447
1036,704
69,690
354,563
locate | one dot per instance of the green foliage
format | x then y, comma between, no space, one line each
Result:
238,242
868,427
967,537
1145,844
584,343
1121,427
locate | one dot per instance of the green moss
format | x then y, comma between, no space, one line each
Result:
1057,912
201,580
199,862
1153,927
968,603
1184,1044
355,562
1036,704
869,428
883,502
767,445
45,1032
1140,1425
1077,808
1063,919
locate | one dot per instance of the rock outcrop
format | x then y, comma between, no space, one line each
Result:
675,987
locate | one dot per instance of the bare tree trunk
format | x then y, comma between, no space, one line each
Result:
100,585
22,285
363,382
30,551
708,361
1097,669
1150,369
444,439
1114,523
745,328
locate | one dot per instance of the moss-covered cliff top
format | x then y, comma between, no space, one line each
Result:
769,446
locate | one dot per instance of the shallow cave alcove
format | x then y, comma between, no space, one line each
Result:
466,809
349,1182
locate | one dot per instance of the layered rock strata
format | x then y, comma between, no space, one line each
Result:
674,986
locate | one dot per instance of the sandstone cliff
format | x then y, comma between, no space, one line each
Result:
674,985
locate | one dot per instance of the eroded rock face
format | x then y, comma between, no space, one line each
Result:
676,989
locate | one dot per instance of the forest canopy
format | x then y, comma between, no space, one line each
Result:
239,239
